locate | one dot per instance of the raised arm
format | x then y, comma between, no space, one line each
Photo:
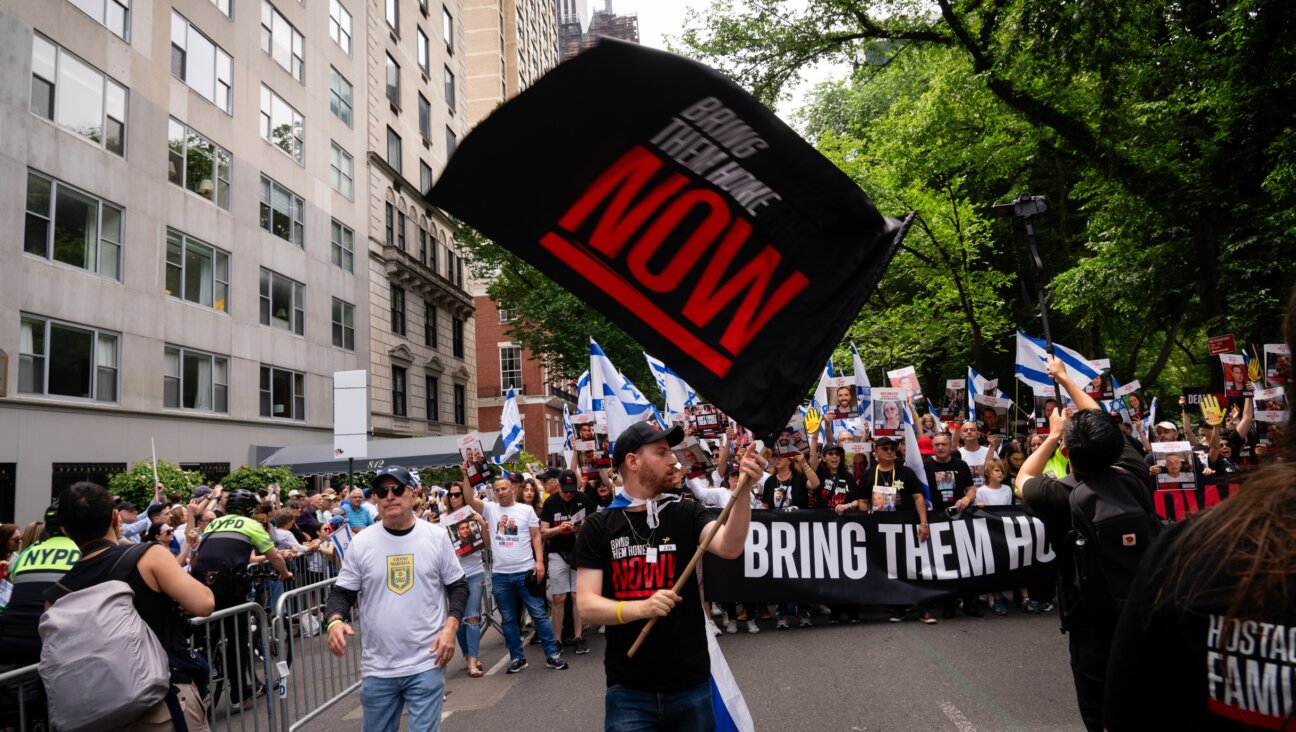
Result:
1057,371
1035,462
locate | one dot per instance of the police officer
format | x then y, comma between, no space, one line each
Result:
34,570
221,559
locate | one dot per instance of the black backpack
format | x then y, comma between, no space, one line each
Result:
1112,525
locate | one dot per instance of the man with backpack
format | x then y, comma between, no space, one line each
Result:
115,647
1100,521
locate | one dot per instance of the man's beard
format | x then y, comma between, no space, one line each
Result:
663,482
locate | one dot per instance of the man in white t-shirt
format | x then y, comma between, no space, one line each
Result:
405,570
518,566
972,452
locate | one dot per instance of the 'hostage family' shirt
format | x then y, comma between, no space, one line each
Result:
636,562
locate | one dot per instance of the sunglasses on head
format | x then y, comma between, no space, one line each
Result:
397,490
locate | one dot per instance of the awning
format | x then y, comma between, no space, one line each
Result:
409,452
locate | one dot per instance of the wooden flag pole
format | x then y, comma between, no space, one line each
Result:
740,494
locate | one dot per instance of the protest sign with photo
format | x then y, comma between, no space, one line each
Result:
1133,401
888,412
792,440
1272,414
693,458
906,378
955,404
474,458
590,444
1100,388
683,210
465,532
1176,462
742,437
1045,404
992,413
839,397
1277,364
706,420
1236,383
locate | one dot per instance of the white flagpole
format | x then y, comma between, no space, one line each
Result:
153,449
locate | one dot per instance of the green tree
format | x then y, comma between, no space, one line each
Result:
254,479
136,485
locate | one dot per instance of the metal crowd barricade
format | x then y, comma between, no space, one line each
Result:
22,700
326,679
232,639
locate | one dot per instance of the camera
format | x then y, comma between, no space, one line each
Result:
1022,207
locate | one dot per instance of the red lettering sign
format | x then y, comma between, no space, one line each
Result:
1221,344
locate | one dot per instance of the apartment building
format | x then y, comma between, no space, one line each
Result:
510,44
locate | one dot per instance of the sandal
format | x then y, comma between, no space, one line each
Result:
475,671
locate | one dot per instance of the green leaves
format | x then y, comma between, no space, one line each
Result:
136,485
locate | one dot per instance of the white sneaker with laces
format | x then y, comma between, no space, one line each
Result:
752,627
711,626
731,626
804,619
782,623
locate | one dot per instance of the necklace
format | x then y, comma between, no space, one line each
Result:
652,534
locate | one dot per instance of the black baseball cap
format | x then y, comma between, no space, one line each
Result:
549,474
515,476
837,449
883,441
401,475
127,506
641,433
567,481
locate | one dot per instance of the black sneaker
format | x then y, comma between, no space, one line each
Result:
517,665
581,648
554,662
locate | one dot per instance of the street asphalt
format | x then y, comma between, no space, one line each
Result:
964,674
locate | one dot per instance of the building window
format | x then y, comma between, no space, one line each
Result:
422,45
282,302
201,64
398,310
340,170
452,141
61,359
198,164
283,393
422,237
425,118
77,97
393,150
342,243
400,230
343,325
282,41
390,239
70,226
393,15
195,380
430,326
393,81
457,337
460,404
112,14
507,316
281,125
425,184
510,368
340,96
340,25
223,6
447,30
197,272
450,88
433,385
282,212
398,391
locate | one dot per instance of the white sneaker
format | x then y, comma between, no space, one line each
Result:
602,628
804,619
716,610
711,626
782,623
752,627
731,626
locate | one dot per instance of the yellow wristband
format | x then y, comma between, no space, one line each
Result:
329,626
620,619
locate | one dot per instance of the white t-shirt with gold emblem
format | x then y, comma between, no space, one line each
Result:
401,579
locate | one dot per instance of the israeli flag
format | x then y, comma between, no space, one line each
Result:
614,395
863,391
584,403
510,429
568,434
913,456
1031,366
731,711
676,392
978,384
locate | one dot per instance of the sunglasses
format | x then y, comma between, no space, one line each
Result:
396,490
455,495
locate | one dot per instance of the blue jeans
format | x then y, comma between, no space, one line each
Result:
689,710
383,700
470,633
508,589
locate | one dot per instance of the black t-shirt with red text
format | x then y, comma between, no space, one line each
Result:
636,562
1193,667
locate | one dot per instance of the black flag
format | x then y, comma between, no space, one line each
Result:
668,198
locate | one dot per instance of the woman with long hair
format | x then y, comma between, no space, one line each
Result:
470,629
10,540
1211,618
530,495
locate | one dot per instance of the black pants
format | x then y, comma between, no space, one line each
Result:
1090,647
